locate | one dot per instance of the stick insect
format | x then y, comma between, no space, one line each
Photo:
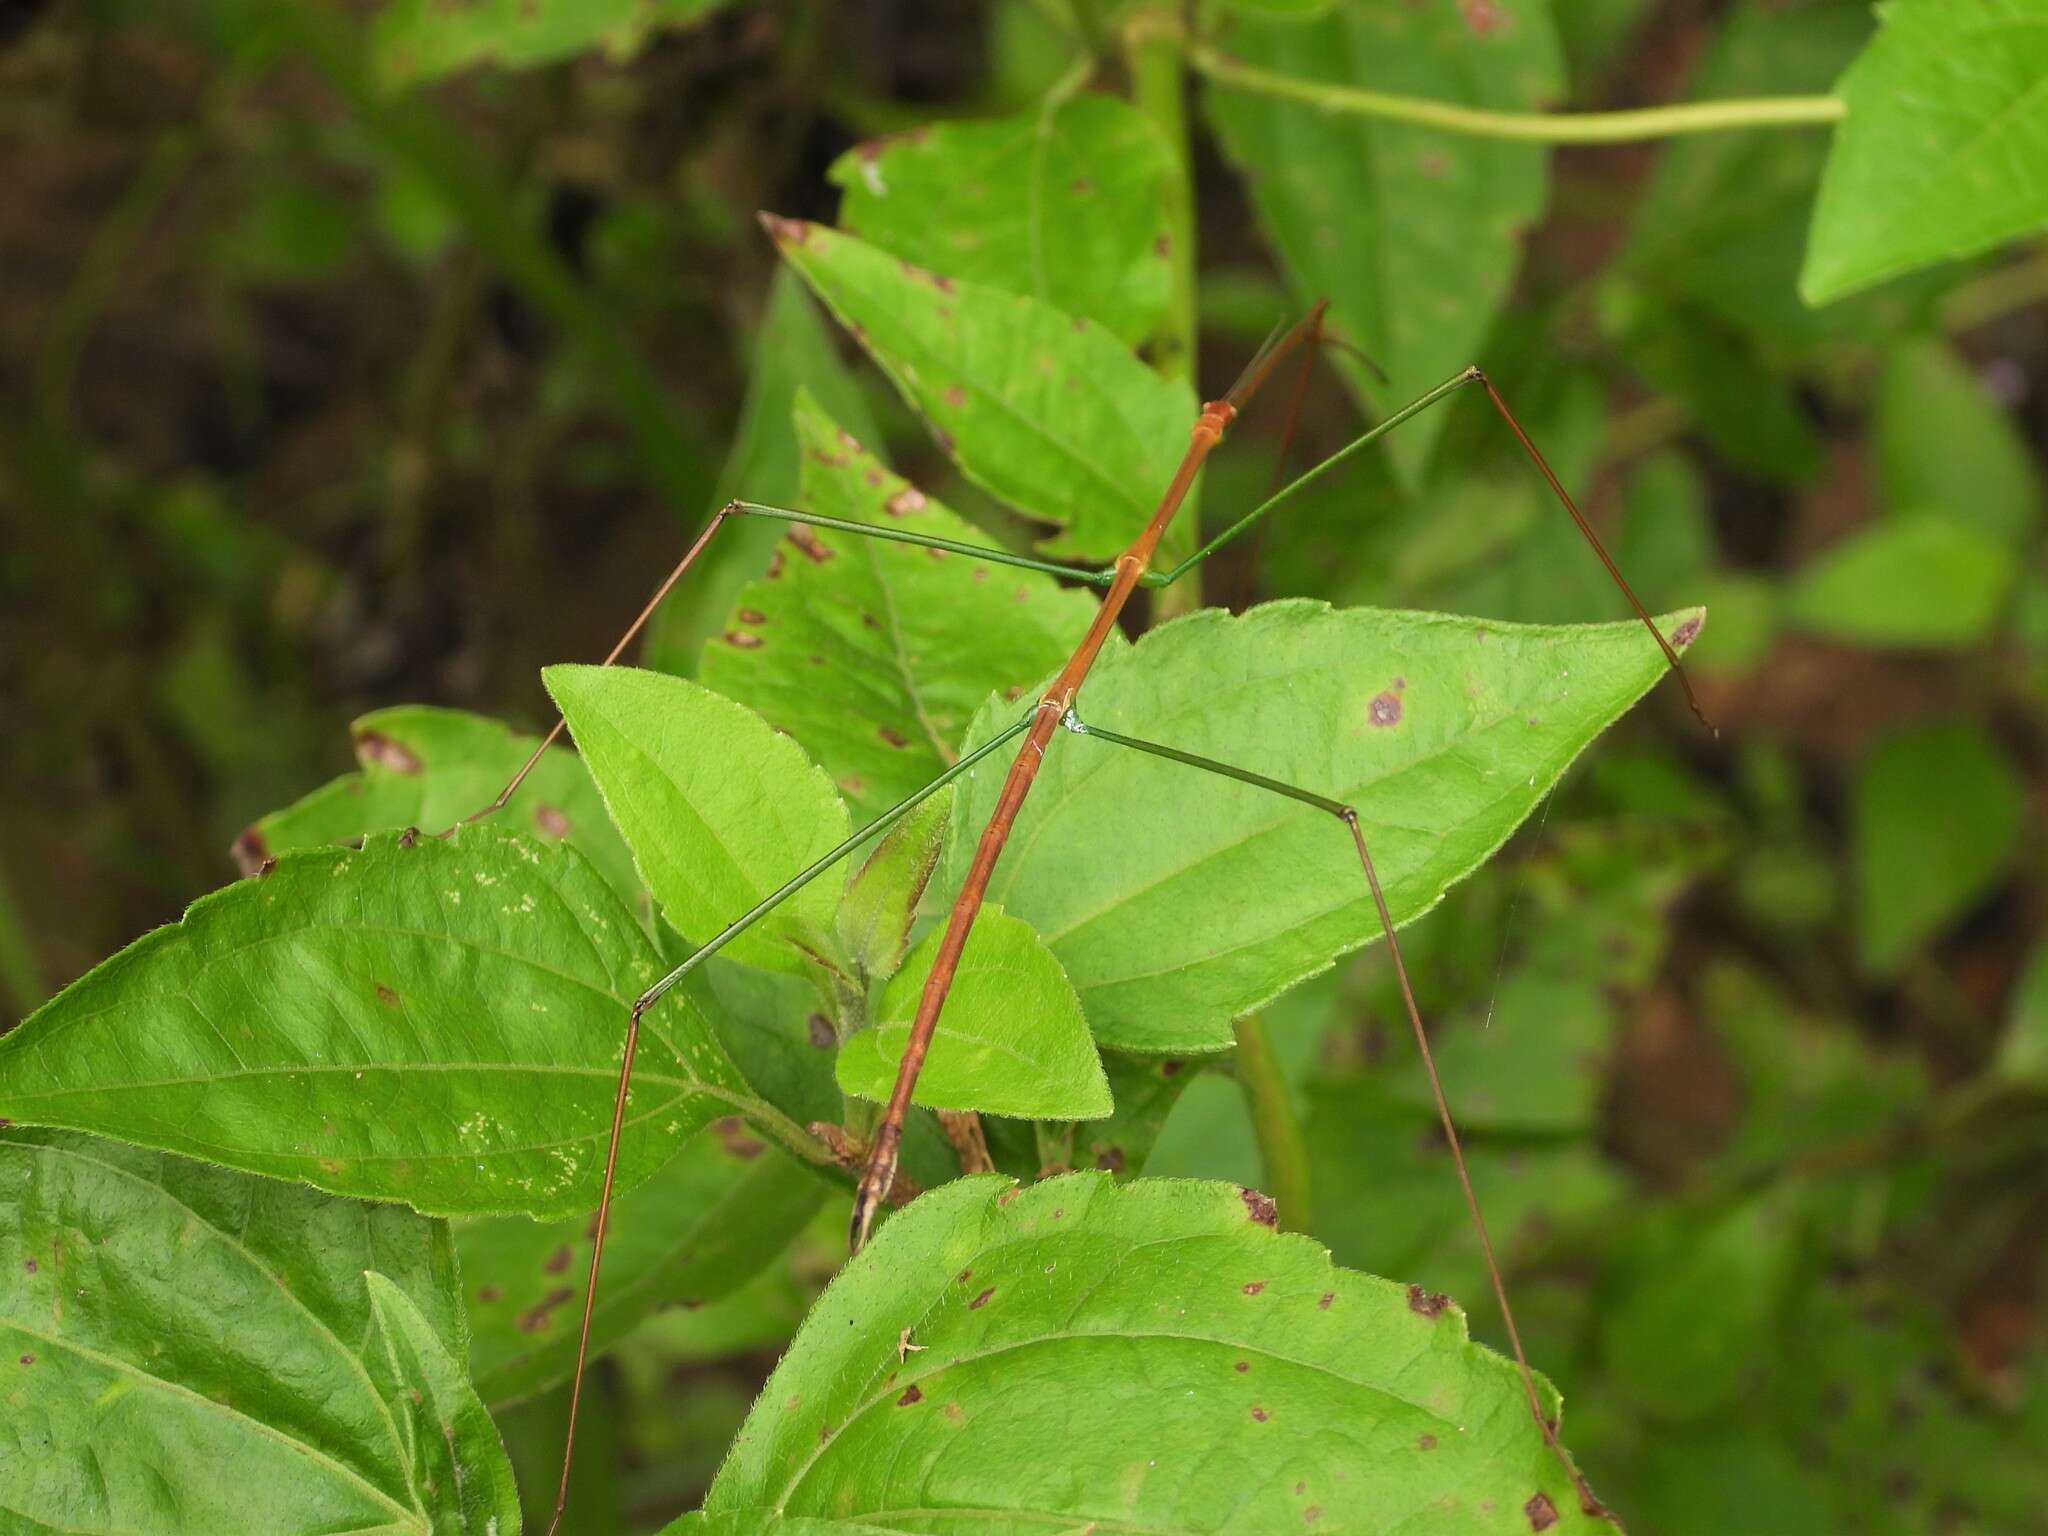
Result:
1056,712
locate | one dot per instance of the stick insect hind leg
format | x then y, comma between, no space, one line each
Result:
1348,815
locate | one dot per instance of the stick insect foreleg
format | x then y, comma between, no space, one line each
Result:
1348,815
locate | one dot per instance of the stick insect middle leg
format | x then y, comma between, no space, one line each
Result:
1348,816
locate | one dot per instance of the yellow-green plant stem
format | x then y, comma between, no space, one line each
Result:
1533,127
1283,1155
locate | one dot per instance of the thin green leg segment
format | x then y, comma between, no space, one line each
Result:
797,882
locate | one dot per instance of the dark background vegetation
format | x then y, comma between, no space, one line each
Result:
286,437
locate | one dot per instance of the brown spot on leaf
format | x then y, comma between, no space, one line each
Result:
1081,186
906,501
28,1359
376,750
1385,708
981,1301
1163,246
910,1395
954,1412
1325,1300
558,1261
743,640
1541,1512
814,548
550,820
893,738
1426,1303
386,996
536,1317
732,1135
249,851
1426,1443
28,1266
1110,1158
822,1035
1259,1415
1686,633
1171,1066
1242,1366
1312,1514
872,476
1261,1208
1253,1287
775,565
753,616
488,1294
870,621
935,552
963,1277
955,396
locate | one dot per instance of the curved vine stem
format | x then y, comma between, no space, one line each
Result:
1532,127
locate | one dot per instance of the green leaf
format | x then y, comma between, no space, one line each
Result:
1047,412
1935,818
1145,1356
1177,900
414,41
873,654
793,352
190,1350
450,1433
702,1226
439,1024
1945,445
1011,1040
2023,1051
429,768
1923,582
1414,235
1067,204
1721,226
881,899
1944,152
711,840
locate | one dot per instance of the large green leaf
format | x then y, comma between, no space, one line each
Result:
439,1024
697,1230
1045,411
873,654
190,1351
1177,900
1067,204
428,768
415,41
1944,152
1011,1040
1935,815
719,808
1412,234
1143,1357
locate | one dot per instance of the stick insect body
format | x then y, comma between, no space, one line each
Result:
1054,713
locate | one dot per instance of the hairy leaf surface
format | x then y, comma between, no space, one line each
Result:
1067,204
1181,1368
873,654
1011,1039
439,1024
719,808
1177,900
189,1350
1045,411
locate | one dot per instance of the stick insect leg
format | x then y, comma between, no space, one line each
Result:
731,509
1348,815
1416,407
654,994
